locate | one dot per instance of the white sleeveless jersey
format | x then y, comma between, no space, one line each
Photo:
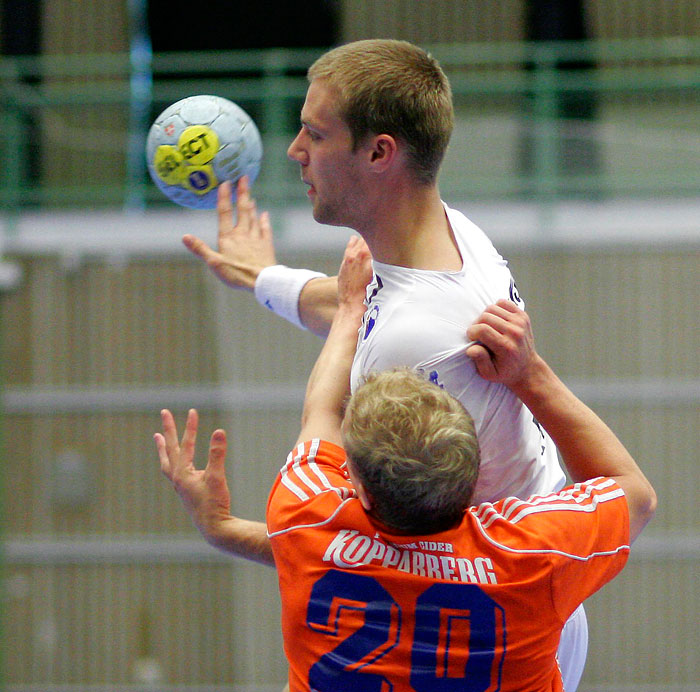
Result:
419,318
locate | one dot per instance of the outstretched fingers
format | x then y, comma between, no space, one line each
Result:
173,455
217,458
246,209
198,247
189,438
162,455
224,206
265,226
224,210
166,443
245,243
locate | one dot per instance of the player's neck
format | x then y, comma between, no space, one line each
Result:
412,230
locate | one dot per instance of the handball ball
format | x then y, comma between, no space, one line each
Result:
199,142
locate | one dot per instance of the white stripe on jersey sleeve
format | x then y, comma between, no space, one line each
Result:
579,498
582,501
514,510
294,477
286,481
314,466
299,470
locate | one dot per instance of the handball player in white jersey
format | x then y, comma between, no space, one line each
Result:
375,126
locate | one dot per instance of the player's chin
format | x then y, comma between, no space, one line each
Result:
327,215
319,213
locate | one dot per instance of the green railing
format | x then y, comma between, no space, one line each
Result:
535,120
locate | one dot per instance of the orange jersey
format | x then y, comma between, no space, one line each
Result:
478,608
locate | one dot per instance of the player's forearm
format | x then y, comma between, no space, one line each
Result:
329,382
305,298
590,448
330,377
318,302
243,538
587,445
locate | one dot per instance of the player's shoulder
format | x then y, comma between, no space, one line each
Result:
313,466
312,480
552,522
468,231
578,497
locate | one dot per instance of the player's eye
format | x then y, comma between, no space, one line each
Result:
314,136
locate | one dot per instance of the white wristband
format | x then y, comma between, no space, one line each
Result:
278,288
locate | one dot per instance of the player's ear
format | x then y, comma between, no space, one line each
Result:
363,495
382,152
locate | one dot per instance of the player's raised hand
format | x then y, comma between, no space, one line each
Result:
355,273
505,346
329,381
204,494
245,242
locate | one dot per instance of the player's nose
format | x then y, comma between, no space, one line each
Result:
296,151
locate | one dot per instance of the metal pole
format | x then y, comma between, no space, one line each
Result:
141,87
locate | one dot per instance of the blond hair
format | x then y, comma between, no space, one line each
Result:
392,87
414,449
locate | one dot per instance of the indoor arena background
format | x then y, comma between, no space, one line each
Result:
576,149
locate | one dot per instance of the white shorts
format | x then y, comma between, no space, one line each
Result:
573,647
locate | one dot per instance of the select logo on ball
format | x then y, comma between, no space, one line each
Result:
169,164
198,144
186,164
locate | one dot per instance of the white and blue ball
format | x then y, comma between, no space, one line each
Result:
199,142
